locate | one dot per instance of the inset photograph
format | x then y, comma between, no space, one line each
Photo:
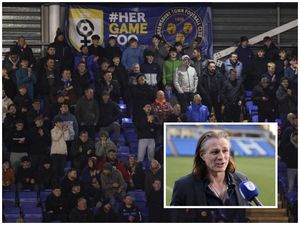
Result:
220,165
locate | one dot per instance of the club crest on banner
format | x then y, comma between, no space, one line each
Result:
83,24
180,25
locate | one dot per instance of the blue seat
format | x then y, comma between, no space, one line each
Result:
248,94
123,149
11,217
278,120
27,196
127,123
33,218
30,207
138,195
44,194
254,118
8,195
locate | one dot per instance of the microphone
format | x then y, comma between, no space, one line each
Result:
249,191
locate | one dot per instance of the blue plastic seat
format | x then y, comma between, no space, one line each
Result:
254,118
27,196
127,123
8,195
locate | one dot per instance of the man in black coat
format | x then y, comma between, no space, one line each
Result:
81,150
270,49
40,141
55,206
111,86
210,87
81,212
264,98
232,97
109,116
141,94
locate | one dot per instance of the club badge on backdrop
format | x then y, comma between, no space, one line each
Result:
174,24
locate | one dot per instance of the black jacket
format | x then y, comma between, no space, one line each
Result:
286,103
80,215
109,113
87,111
189,191
210,86
88,145
108,217
54,204
258,93
141,95
110,52
22,174
39,145
13,141
232,92
115,94
144,128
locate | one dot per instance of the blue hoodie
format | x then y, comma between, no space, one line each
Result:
197,113
131,56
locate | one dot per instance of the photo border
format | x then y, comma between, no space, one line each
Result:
219,207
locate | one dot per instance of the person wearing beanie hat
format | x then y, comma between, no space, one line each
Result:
170,66
112,49
95,48
132,54
271,50
245,54
185,82
62,50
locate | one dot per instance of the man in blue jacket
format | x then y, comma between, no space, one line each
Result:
132,54
196,112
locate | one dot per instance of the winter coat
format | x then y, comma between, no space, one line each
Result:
286,103
13,141
152,73
23,78
102,151
185,79
169,69
87,111
39,144
232,92
258,93
159,54
238,67
6,101
107,181
197,113
109,113
199,65
245,56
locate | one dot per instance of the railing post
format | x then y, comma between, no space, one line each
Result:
54,20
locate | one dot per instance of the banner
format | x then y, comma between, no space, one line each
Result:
174,24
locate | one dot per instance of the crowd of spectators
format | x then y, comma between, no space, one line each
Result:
63,108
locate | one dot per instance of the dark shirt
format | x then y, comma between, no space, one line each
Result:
229,199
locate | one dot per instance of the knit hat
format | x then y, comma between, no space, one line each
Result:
243,38
184,57
139,75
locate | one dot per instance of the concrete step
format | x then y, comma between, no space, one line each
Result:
266,212
269,219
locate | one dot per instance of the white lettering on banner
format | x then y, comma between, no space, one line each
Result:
125,17
248,147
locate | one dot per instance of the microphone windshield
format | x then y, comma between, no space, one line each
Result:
248,190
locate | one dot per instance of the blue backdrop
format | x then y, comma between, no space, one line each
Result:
174,23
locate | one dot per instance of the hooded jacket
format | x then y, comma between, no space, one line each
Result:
185,79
